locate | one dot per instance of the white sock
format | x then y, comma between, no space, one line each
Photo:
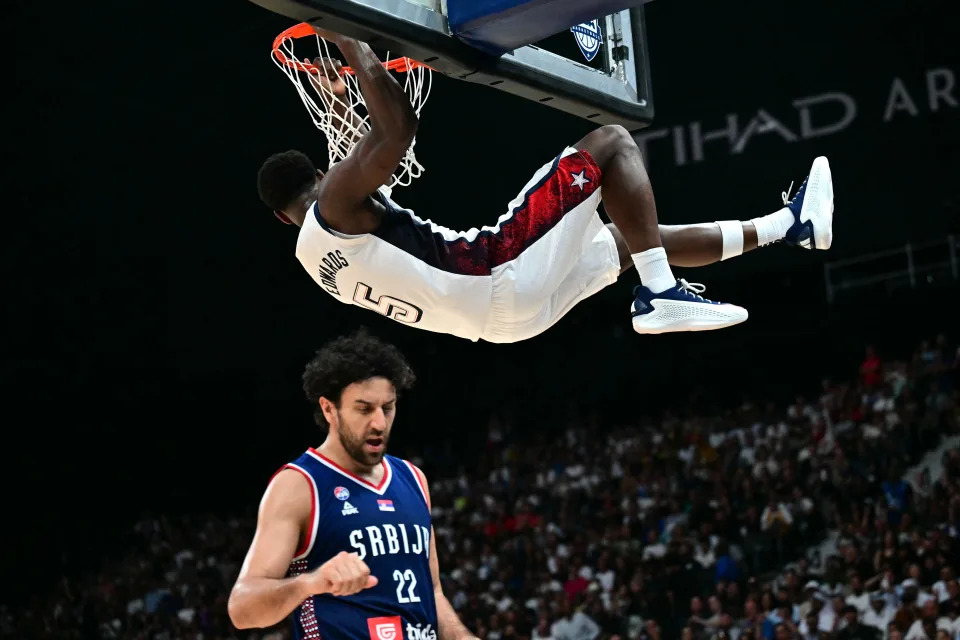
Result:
654,269
732,233
773,227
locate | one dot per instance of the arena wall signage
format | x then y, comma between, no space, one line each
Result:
823,114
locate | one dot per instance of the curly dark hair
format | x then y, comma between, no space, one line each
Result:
353,358
284,177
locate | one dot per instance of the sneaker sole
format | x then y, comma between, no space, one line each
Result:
818,205
671,316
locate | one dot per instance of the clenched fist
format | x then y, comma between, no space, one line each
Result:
342,575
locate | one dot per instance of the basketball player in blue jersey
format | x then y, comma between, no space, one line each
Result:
515,279
344,539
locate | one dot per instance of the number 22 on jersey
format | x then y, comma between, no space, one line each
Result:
408,580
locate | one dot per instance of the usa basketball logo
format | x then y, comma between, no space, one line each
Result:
588,38
341,493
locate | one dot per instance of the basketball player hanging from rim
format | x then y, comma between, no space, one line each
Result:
514,280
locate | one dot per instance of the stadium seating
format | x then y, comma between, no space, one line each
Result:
812,520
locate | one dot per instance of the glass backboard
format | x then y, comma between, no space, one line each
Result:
611,88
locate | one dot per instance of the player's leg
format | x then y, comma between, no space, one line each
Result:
804,221
697,245
628,196
663,303
689,245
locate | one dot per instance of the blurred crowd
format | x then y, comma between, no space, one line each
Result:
837,516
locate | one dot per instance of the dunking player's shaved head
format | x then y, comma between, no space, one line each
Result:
284,179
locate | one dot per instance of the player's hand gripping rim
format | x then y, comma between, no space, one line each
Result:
329,76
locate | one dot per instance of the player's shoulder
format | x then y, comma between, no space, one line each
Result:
334,213
403,463
415,472
289,491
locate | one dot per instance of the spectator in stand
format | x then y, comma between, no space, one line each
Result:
924,627
696,623
897,493
543,630
808,629
752,619
853,629
857,597
871,369
880,614
573,625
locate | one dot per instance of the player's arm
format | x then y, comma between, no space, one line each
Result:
393,124
262,596
449,626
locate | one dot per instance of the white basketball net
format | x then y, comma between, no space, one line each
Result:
343,120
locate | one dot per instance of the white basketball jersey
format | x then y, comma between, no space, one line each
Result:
501,283
404,270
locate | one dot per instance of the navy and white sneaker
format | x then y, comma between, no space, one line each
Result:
812,208
681,308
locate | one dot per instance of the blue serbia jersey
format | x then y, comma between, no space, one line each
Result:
388,526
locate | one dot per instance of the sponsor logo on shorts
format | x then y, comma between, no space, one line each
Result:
385,628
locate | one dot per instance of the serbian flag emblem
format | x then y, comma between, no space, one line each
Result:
385,505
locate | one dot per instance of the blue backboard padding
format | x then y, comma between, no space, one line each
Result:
498,26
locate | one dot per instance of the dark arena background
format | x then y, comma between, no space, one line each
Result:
795,476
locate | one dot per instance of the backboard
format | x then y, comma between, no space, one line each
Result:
612,88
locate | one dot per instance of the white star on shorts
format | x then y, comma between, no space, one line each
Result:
579,179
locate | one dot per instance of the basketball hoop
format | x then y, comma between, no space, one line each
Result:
344,119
